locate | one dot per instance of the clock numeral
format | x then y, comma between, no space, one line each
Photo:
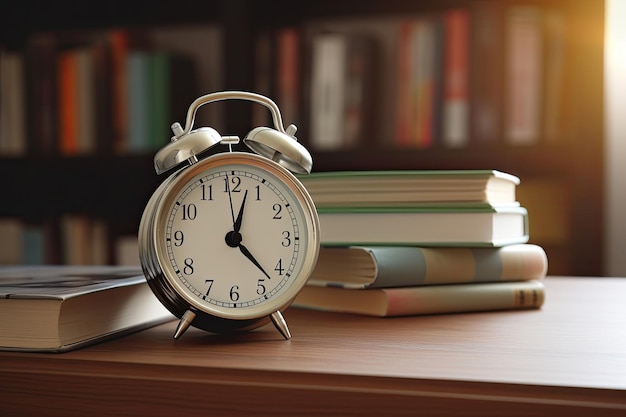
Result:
234,293
179,238
258,193
188,269
286,239
190,211
207,192
277,211
279,267
236,181
260,287
210,282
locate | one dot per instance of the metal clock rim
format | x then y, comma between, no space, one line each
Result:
174,291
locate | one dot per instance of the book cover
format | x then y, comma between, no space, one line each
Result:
433,299
13,102
524,75
119,41
60,308
360,267
343,90
328,91
42,91
67,70
394,188
403,80
288,74
419,226
138,90
86,99
424,81
159,99
455,105
486,71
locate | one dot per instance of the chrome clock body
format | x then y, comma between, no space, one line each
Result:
227,241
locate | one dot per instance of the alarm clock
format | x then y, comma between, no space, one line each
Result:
228,240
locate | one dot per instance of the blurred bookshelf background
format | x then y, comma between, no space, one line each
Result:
88,93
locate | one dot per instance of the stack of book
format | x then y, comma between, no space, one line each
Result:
398,243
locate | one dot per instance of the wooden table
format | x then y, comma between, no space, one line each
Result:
568,358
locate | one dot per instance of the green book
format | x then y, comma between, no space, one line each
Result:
360,267
411,188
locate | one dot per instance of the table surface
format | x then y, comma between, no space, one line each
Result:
567,358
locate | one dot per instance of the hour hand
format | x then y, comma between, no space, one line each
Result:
237,224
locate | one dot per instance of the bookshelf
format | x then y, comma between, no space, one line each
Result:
572,235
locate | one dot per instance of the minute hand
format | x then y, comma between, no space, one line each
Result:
248,255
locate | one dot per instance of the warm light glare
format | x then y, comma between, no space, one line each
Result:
616,36
615,136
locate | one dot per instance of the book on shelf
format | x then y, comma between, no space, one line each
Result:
423,300
287,74
115,90
342,89
523,75
419,85
12,104
360,267
486,71
69,239
61,308
395,188
371,108
455,105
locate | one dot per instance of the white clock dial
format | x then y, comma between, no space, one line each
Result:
236,236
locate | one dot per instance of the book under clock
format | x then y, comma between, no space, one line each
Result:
60,308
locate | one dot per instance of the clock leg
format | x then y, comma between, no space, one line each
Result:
281,324
184,323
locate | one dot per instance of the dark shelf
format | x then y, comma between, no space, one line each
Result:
110,187
526,160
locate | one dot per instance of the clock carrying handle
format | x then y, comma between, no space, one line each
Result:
278,144
242,95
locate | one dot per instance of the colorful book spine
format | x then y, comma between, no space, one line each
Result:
455,106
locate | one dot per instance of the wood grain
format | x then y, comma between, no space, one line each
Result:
568,358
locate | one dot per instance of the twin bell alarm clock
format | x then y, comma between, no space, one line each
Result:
228,240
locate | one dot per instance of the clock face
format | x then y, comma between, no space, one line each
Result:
236,236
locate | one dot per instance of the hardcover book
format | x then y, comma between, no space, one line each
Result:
396,188
432,299
431,226
60,308
360,267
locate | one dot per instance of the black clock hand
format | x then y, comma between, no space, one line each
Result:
248,255
237,223
230,199
234,238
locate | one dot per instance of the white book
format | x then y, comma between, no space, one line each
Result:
328,91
